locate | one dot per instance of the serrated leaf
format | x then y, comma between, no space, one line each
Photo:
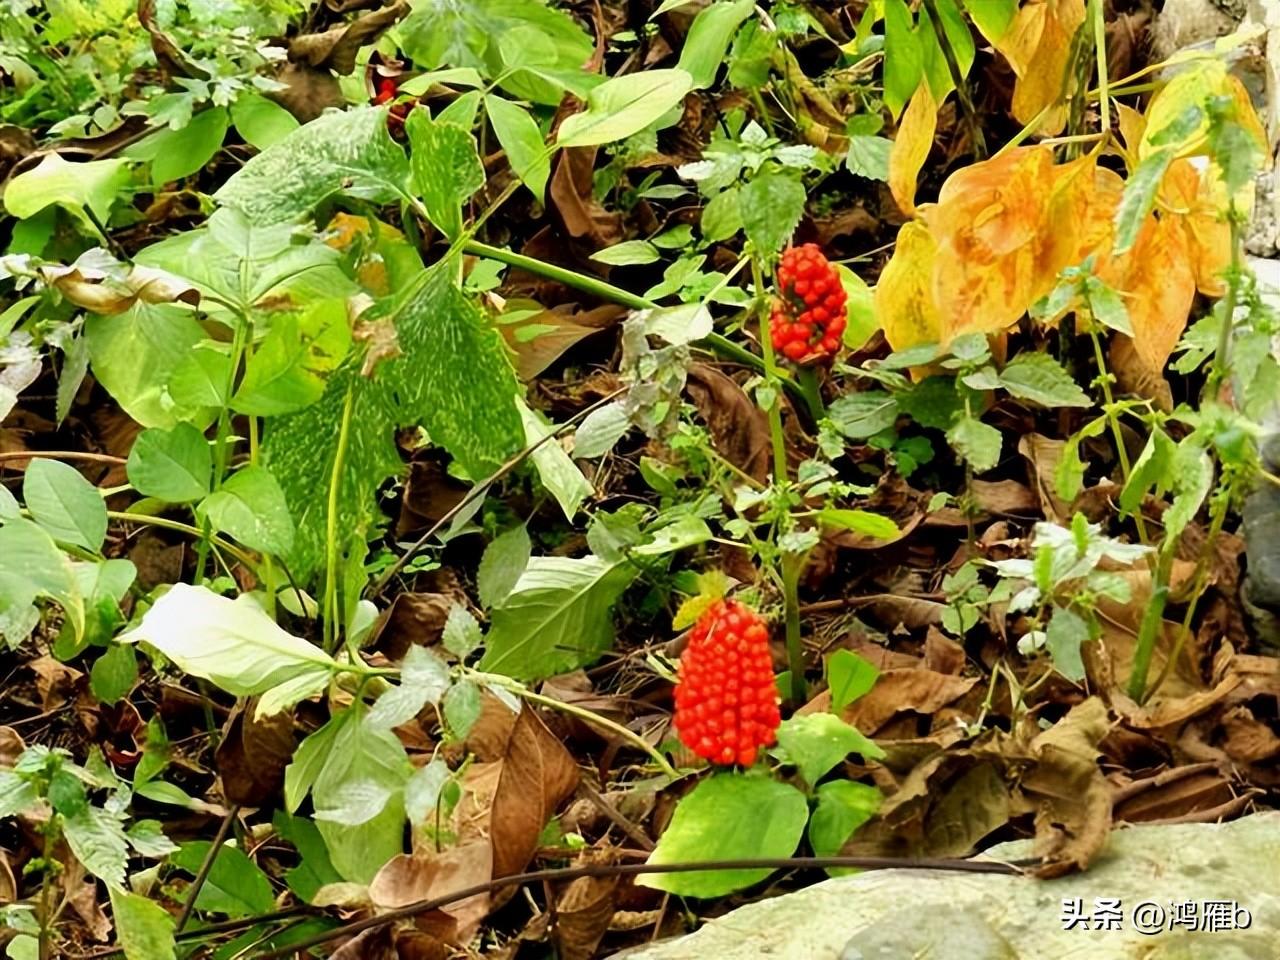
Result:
1038,377
424,678
422,792
1066,633
977,442
97,839
462,634
600,430
771,205
144,929
461,707
348,151
868,156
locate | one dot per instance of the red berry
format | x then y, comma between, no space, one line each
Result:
726,703
810,316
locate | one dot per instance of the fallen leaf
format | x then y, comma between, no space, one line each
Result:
253,753
916,690
739,428
55,681
427,874
584,912
539,338
336,49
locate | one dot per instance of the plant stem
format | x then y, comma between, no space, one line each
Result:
1113,419
167,524
957,78
1100,49
587,716
1149,629
792,564
205,866
1221,367
331,618
774,411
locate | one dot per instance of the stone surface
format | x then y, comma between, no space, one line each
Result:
935,915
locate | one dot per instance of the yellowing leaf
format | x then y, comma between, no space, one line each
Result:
904,297
1159,283
1038,47
1080,218
1195,87
911,147
1196,200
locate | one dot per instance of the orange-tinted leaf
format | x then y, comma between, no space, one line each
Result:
1080,219
1159,284
904,300
1197,201
1038,47
911,147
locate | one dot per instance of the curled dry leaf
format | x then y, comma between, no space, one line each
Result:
336,49
739,428
540,338
99,292
913,689
584,912
427,874
911,147
253,753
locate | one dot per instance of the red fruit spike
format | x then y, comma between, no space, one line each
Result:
795,349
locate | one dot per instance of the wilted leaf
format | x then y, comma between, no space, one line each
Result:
252,756
904,299
911,146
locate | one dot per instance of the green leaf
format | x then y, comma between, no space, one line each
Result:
231,643
863,414
261,122
520,137
725,817
172,465
199,380
175,154
144,929
772,205
98,841
315,870
114,673
504,560
843,806
422,792
136,354
849,676
559,474
1152,469
446,169
992,17
1107,306
861,522
869,157
462,708
1069,475
1138,198
557,617
623,106
147,839
34,566
628,253
861,309
424,678
705,45
462,633
601,430
73,186
350,151
235,885
903,56
286,372
67,505
16,794
722,216
1038,377
816,742
936,69
1067,631
251,508
977,442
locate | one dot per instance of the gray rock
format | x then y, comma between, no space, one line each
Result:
935,915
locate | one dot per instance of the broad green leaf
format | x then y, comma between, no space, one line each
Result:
424,678
1138,199
501,565
231,643
350,151
628,253
843,806
977,442
557,617
1107,307
76,187
175,154
1152,469
936,70
726,817
144,929
315,870
849,676
309,759
903,56
201,378
816,742
10,509
863,414
462,634
559,474
705,45
1037,377
862,322
679,325
235,885
286,372
522,140
1066,633
34,566
173,465
114,673
67,505
136,354
623,106
261,122
771,205
992,17
600,430
251,508
869,157
97,839
17,795
446,169
443,32
861,522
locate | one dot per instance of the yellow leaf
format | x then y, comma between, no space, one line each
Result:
1196,86
1038,47
904,298
1080,218
1159,285
1196,200
911,147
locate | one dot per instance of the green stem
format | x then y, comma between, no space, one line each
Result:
774,412
1100,49
178,525
1149,629
792,564
1113,419
331,618
1221,367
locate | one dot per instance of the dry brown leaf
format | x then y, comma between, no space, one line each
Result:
917,690
739,428
11,746
1172,793
413,618
584,912
336,49
427,874
573,199
55,681
253,753
541,338
911,147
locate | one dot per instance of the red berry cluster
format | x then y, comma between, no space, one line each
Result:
388,90
726,701
809,319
